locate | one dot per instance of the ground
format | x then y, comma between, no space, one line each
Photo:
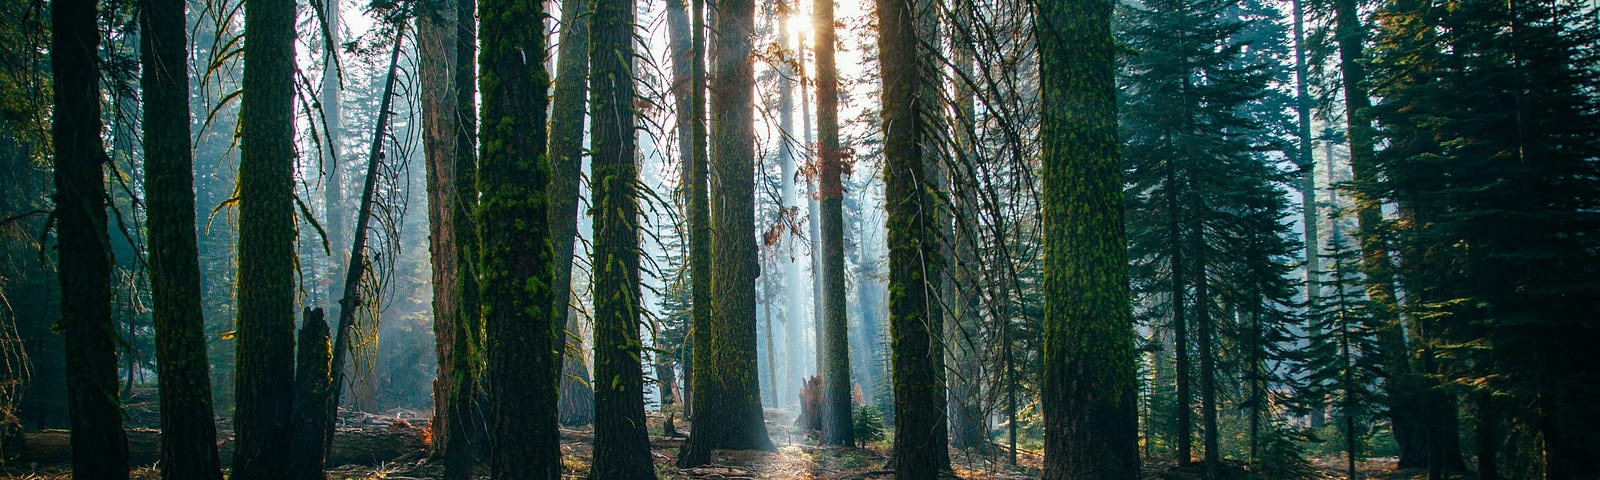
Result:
794,458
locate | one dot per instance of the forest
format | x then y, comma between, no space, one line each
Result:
800,239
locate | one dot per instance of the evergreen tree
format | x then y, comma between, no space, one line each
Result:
566,152
728,413
266,286
99,447
1090,409
1341,358
913,238
516,269
189,432
621,438
837,427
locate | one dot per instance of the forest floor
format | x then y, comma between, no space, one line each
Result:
793,458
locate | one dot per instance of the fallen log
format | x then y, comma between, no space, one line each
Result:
367,445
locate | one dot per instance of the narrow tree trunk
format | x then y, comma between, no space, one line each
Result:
265,281
1204,334
99,447
566,152
1306,162
189,440
837,427
469,434
1088,395
517,264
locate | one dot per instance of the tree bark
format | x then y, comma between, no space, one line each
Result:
266,295
99,448
189,448
837,426
312,384
728,392
517,260
1089,400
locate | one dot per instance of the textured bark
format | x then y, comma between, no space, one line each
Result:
1088,395
266,295
99,446
1404,401
919,427
837,428
312,382
189,446
516,267
727,388
621,436
566,155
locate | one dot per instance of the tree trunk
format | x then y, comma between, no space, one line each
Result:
1089,400
566,155
517,262
100,448
621,437
1306,162
727,386
266,286
837,427
914,241
312,383
189,448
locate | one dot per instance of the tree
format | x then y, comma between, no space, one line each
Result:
516,267
566,155
1341,353
266,287
99,447
919,440
727,393
189,432
449,115
621,436
1090,408
837,427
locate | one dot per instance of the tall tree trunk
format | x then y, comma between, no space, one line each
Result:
516,266
1204,335
1404,399
727,386
331,128
837,427
621,437
699,218
1178,294
1090,407
266,295
919,443
99,447
1306,162
566,155
189,431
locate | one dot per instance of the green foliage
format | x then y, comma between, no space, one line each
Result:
868,423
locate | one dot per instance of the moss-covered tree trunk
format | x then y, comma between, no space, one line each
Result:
916,363
266,295
699,214
837,428
189,431
566,154
727,391
99,447
1090,406
517,263
449,116
621,437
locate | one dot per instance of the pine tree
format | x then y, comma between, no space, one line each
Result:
189,432
266,293
1341,357
1090,408
837,427
99,447
728,395
516,267
621,438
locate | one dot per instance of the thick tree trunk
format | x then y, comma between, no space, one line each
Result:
189,448
517,264
1089,400
727,388
99,448
266,295
312,382
919,440
621,437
